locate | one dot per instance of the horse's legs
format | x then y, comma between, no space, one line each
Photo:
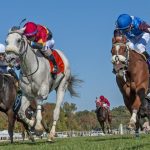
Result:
11,122
135,109
109,127
25,127
21,113
39,126
137,128
44,124
102,126
59,98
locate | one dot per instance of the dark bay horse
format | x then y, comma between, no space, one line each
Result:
104,118
8,93
132,76
7,98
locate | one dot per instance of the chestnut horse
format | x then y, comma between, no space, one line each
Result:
132,76
104,118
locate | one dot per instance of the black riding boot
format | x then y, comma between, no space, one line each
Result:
148,63
51,58
55,69
148,58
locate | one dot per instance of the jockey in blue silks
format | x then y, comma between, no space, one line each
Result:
137,32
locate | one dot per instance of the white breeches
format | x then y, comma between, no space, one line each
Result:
139,43
49,44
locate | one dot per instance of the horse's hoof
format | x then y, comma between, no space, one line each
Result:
50,141
38,132
50,138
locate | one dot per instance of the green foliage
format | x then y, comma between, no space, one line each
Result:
70,119
120,115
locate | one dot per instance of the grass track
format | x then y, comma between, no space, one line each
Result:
127,142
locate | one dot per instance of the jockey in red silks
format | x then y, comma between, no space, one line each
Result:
105,101
102,102
41,38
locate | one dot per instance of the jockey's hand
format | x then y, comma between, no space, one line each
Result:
11,65
144,27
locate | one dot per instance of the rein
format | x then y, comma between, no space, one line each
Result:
23,43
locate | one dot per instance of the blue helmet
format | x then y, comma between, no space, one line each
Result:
124,21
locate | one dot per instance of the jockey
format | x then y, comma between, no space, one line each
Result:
5,68
41,38
137,32
102,102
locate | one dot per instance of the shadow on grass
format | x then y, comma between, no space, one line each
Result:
41,142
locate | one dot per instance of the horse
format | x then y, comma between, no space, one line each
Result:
36,81
132,76
7,98
104,118
8,94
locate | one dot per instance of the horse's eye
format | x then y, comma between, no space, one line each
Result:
19,40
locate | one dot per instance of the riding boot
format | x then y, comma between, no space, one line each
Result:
55,69
148,59
51,58
148,63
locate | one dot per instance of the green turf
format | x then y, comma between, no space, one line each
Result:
127,142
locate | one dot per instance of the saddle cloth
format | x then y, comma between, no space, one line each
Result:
59,61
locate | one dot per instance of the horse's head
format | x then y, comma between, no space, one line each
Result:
120,51
15,42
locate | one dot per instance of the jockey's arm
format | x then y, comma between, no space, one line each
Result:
36,45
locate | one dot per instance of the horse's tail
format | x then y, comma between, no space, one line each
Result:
73,83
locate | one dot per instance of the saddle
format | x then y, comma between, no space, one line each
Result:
59,61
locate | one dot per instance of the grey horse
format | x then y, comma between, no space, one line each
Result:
36,81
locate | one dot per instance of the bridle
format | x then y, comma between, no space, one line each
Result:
124,59
23,55
121,58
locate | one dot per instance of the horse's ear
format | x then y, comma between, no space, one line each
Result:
22,30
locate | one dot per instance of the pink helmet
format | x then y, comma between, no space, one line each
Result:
102,97
31,29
